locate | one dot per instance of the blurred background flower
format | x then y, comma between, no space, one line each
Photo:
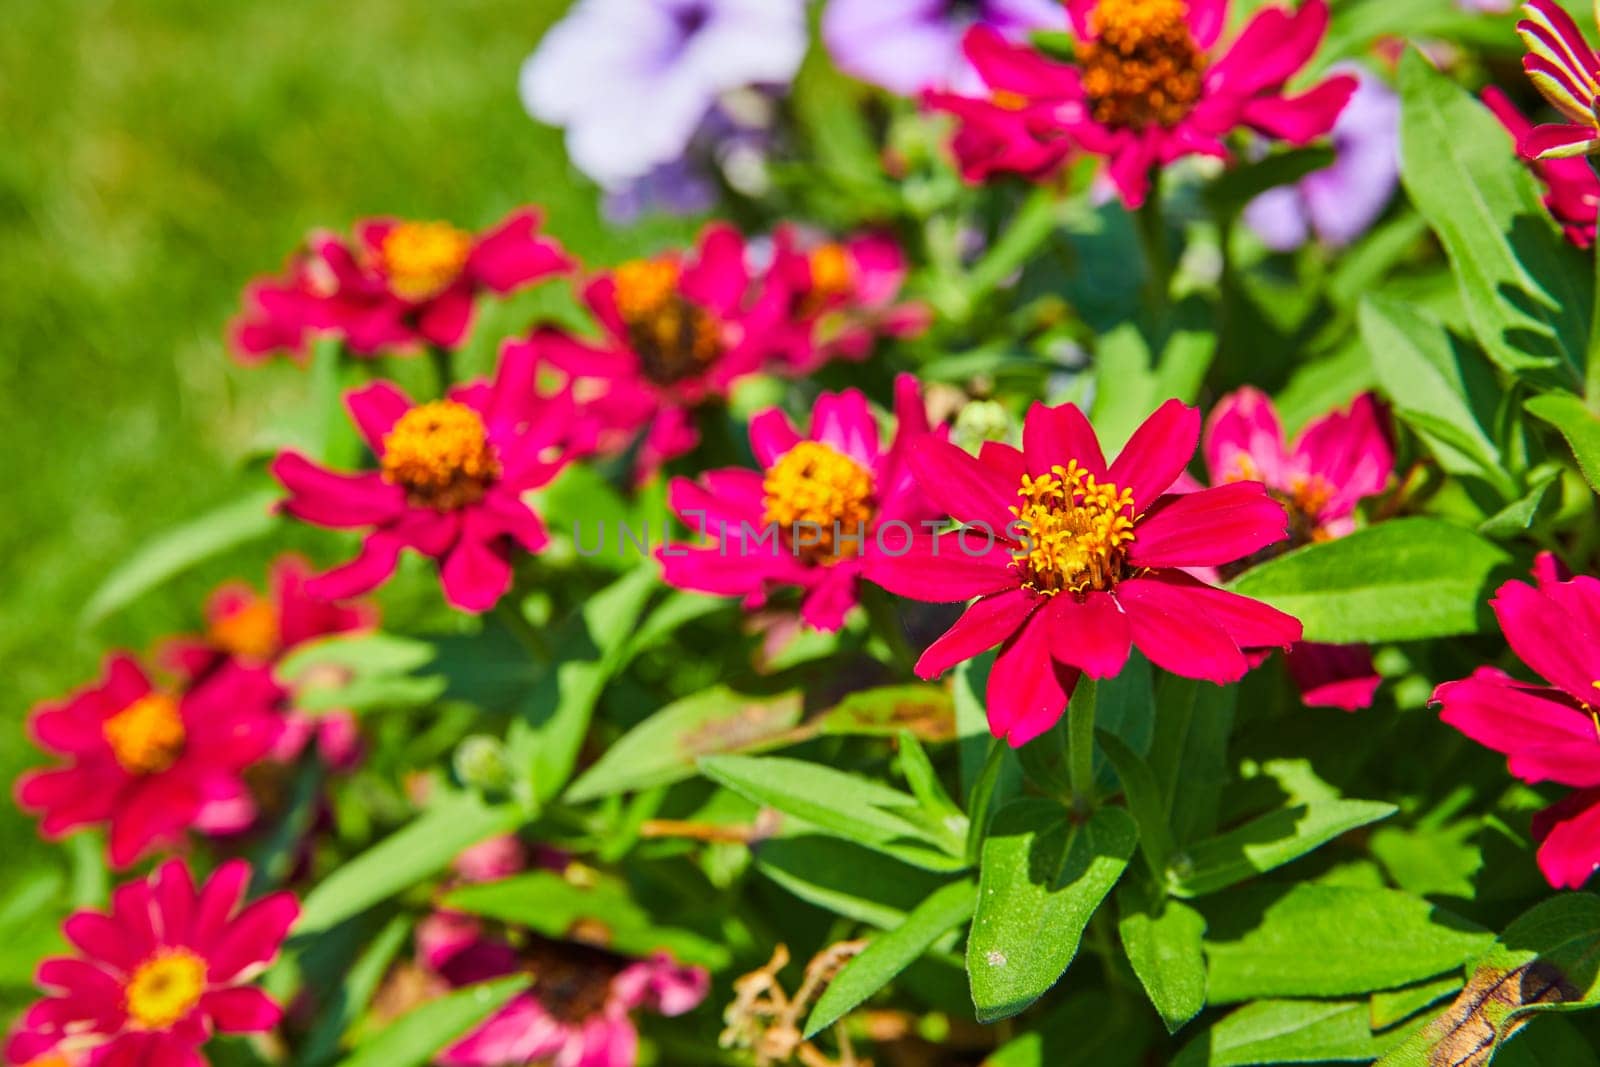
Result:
637,83
910,45
1339,202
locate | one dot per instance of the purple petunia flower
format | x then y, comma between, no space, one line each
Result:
910,45
632,80
1339,202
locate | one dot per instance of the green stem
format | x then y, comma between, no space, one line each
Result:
440,358
886,623
509,612
1152,227
1030,228
1080,745
1591,380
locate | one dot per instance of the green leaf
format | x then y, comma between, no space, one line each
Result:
355,991
416,1037
1042,877
181,547
663,749
1089,1028
548,904
1315,940
1145,802
1391,1006
1131,380
360,672
889,953
1239,185
845,805
1284,1031
1440,387
1314,815
1189,753
1577,424
846,879
1546,960
1164,943
1525,289
928,711
1402,580
421,848
590,650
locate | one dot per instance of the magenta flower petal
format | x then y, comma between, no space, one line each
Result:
1092,634
253,937
1250,623
1175,638
1333,676
1542,733
1056,436
986,623
1547,637
241,1010
961,485
938,570
1157,453
771,435
1027,692
475,575
1568,833
375,409
324,498
1244,440
1209,528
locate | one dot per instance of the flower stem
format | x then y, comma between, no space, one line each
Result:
1080,744
1030,228
1152,227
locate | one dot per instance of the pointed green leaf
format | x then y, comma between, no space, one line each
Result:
1579,425
417,1036
1284,1031
1042,877
1164,943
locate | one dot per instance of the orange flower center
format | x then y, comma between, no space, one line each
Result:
423,259
1006,100
249,630
165,988
440,453
1075,531
832,272
1142,67
672,337
49,1059
820,499
147,736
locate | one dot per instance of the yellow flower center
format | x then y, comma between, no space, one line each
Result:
147,736
672,337
440,453
1142,67
832,272
249,630
820,500
423,259
165,988
1075,531
1006,100
1310,493
49,1059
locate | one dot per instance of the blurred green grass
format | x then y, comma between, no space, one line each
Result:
157,154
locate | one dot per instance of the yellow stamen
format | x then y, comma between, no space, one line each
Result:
1075,530
423,259
440,453
673,337
249,630
1007,100
165,988
1310,493
833,273
811,490
147,736
1142,67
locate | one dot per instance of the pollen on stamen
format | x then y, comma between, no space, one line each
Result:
423,259
1075,530
1142,66
147,736
817,489
673,337
440,454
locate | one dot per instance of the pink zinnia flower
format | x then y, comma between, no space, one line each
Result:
404,284
259,629
1566,70
835,298
280,313
1550,732
677,332
1337,461
451,477
151,763
1074,561
1572,192
578,1011
157,976
814,516
1146,89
